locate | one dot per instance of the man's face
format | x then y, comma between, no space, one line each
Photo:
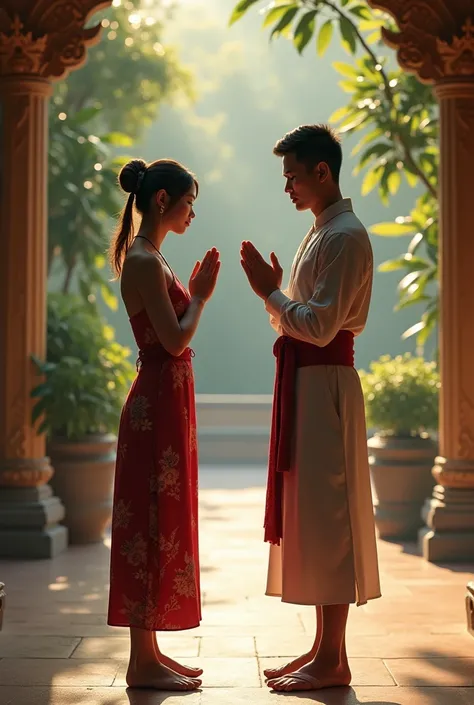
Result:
303,185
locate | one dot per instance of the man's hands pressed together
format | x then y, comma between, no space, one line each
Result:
264,278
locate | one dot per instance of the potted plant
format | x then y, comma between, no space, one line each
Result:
401,400
84,382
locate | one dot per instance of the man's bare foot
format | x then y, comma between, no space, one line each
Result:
313,676
160,677
180,667
291,667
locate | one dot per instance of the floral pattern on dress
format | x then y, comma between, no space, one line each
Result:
181,372
168,480
135,550
154,575
122,515
140,420
139,614
184,581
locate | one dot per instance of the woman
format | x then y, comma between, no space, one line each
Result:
154,580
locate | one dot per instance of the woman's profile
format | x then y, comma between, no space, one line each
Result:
154,578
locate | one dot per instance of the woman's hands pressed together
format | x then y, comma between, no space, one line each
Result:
202,281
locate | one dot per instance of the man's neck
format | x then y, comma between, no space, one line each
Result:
335,197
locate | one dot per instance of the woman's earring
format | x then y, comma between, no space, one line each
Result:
162,210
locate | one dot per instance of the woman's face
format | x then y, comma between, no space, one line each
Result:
180,215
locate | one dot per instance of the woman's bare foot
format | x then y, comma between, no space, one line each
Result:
160,677
180,667
313,676
291,667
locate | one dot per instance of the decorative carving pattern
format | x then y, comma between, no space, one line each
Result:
436,38
47,38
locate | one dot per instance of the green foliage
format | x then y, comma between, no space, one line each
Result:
397,119
419,284
401,395
83,196
118,90
86,375
129,73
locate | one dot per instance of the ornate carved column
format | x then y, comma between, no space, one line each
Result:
436,42
40,41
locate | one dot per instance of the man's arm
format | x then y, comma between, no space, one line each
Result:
345,266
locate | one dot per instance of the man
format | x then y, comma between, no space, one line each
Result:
319,516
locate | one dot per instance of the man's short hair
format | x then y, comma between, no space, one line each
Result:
312,144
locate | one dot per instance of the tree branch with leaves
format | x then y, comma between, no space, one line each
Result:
398,121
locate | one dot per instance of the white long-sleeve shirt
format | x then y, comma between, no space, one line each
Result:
331,280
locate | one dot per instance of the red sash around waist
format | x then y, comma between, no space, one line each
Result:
290,355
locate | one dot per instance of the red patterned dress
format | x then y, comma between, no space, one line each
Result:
154,573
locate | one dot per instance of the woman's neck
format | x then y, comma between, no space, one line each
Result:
155,234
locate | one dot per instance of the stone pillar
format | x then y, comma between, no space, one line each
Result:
436,42
39,41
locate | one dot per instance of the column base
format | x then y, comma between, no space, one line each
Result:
446,546
29,519
449,532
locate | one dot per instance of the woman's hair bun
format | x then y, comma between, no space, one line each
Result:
131,175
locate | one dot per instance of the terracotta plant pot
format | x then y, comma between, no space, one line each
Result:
400,469
83,480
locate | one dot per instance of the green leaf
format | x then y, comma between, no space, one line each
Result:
41,390
375,151
392,265
412,301
430,319
240,9
348,86
275,13
394,181
409,280
405,262
362,12
412,179
374,37
366,26
370,181
414,243
413,330
348,34
39,409
285,21
345,69
324,37
339,114
392,229
304,30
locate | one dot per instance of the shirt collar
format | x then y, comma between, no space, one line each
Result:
342,206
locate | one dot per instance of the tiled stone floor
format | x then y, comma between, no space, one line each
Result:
409,648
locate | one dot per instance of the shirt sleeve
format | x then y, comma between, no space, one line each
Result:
344,266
